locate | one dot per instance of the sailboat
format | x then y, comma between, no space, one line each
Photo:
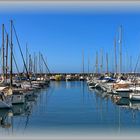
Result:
17,96
5,91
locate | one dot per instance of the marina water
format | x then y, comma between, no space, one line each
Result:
70,108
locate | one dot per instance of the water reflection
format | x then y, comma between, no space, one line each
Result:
121,102
123,113
68,84
70,106
9,117
4,121
130,107
127,103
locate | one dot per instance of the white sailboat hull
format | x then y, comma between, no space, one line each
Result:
134,96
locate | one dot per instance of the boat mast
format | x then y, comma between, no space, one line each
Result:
83,60
3,53
28,77
107,62
127,62
27,56
7,57
34,65
39,64
11,55
96,62
120,44
30,64
43,60
46,63
115,55
88,64
130,64
40,68
101,66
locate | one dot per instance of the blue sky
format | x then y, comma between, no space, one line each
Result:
61,36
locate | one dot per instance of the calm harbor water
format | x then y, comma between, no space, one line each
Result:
70,107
